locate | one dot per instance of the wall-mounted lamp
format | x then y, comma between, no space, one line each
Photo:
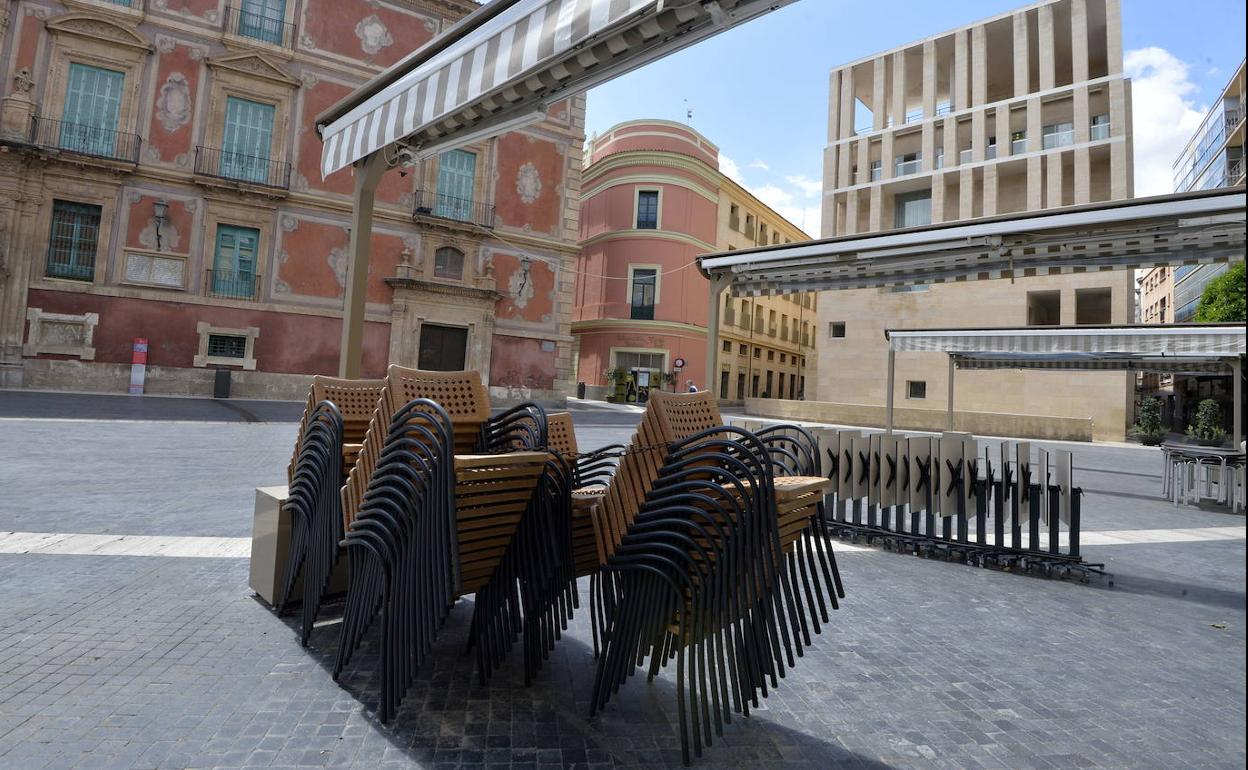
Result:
161,215
525,264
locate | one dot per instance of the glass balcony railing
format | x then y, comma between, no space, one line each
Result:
991,152
1098,131
965,156
1018,146
907,167
1061,138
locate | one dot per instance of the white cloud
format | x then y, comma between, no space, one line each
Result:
756,163
729,168
1164,116
772,195
807,185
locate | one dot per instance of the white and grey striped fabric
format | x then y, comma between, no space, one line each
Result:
503,51
1092,362
1088,342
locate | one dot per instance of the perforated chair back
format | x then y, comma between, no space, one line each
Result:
356,400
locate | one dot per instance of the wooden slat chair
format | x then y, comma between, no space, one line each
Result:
505,539
592,473
697,556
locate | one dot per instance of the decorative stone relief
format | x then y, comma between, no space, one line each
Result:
165,44
23,82
298,182
151,269
173,106
151,153
169,236
373,34
134,196
183,161
280,287
528,183
289,224
191,205
60,334
520,287
338,263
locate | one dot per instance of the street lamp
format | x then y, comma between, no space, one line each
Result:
161,215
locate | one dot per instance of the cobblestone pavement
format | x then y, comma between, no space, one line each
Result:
154,662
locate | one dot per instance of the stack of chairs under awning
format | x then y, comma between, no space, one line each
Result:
710,562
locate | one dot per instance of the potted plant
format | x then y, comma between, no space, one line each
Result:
618,379
1148,428
1208,429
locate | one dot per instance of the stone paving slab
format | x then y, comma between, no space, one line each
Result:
157,662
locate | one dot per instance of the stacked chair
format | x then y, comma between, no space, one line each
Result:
710,561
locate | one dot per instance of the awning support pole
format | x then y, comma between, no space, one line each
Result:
949,408
368,173
888,410
1237,393
718,283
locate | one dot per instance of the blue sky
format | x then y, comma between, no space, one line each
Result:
760,91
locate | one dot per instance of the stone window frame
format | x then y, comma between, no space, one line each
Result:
253,77
78,189
658,281
429,253
96,41
658,206
219,212
203,360
484,172
36,317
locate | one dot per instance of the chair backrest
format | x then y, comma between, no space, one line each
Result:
461,394
560,433
356,400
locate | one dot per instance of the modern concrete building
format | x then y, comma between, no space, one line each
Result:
160,179
654,199
1024,111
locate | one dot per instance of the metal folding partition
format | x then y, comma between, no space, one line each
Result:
1015,507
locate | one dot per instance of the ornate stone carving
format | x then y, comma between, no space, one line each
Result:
173,106
183,161
102,29
151,153
23,82
165,44
289,223
373,34
60,334
528,183
256,65
337,260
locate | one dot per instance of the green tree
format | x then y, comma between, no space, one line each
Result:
1223,298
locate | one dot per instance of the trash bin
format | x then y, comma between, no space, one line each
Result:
580,390
221,383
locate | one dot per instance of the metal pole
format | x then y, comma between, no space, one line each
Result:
718,283
368,173
888,410
949,409
1237,411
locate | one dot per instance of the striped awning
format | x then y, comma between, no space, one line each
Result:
504,64
1179,349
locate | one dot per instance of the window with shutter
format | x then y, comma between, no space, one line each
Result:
234,264
247,140
457,171
262,20
73,240
92,109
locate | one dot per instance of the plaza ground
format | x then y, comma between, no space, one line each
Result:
114,660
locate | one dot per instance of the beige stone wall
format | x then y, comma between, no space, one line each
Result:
1039,426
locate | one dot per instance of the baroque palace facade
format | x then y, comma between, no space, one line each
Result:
159,180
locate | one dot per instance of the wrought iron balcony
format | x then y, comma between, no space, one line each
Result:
439,206
230,284
258,26
90,141
265,172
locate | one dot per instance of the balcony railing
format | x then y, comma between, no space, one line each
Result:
641,312
749,230
222,164
230,284
1098,131
907,167
944,108
1058,139
965,156
1234,170
1018,146
431,204
91,141
259,26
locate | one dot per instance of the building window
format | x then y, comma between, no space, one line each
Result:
262,20
743,350
916,388
647,209
783,358
247,141
1044,308
876,170
762,234
836,329
645,283
907,164
912,209
1094,306
940,158
758,352
749,225
991,151
73,241
92,108
227,346
771,355
234,262
457,172
1018,142
1057,135
448,263
641,361
1100,127
908,288
734,217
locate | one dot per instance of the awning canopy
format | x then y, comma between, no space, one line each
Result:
503,65
1178,349
1186,228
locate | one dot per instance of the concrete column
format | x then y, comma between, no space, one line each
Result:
830,182
951,142
844,163
979,66
1113,36
879,105
1053,168
1082,120
961,71
1048,66
851,218
1078,40
966,194
899,88
938,197
834,106
929,79
1083,175
1002,130
718,284
927,145
1035,186
864,162
875,215
1035,116
1119,151
990,190
1022,68
367,175
847,104
979,135
886,156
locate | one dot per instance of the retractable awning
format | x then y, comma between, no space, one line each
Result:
503,65
1187,228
